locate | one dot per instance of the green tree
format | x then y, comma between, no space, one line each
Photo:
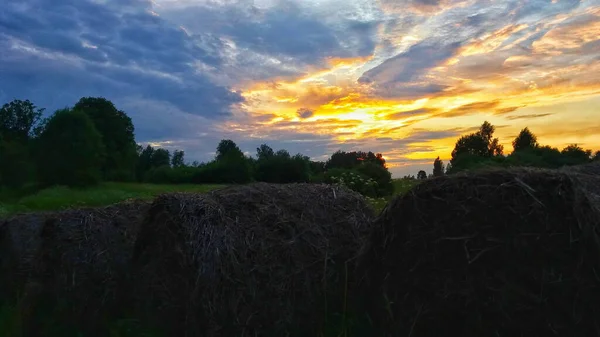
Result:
438,167
575,155
228,148
18,120
16,167
117,131
264,152
144,162
525,140
422,175
473,149
350,160
70,150
160,157
178,159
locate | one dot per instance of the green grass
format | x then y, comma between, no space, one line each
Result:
57,198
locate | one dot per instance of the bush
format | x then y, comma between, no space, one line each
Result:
283,170
353,180
171,175
228,170
15,165
380,174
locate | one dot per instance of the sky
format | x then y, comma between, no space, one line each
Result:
404,78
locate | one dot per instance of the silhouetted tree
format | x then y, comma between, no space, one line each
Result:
228,148
475,148
70,150
160,157
117,131
18,121
596,156
525,140
144,163
438,167
422,175
264,152
349,160
574,155
178,159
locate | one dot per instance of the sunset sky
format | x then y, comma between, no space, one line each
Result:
403,77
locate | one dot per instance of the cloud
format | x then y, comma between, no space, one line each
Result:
528,116
305,113
290,34
55,52
471,108
411,113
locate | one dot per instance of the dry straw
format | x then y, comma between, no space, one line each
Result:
493,253
256,260
73,263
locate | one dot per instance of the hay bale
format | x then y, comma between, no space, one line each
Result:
81,264
494,253
19,242
591,168
256,260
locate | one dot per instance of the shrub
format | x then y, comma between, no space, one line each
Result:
380,174
228,170
353,180
283,169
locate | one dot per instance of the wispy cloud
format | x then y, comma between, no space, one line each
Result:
401,77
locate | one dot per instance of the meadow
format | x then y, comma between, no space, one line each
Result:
59,198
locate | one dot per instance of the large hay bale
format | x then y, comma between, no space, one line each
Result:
82,263
19,242
591,168
494,253
256,260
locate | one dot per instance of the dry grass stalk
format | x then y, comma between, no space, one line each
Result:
80,260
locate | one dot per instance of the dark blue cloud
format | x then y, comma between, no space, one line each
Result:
284,30
56,51
410,64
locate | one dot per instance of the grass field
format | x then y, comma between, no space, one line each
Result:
58,198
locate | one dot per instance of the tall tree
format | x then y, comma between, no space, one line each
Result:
228,148
438,167
117,131
178,159
478,144
525,140
574,155
70,150
422,175
18,120
596,156
264,152
160,157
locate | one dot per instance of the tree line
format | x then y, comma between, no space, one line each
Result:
480,150
93,141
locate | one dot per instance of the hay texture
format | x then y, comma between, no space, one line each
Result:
82,261
495,253
255,260
19,243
